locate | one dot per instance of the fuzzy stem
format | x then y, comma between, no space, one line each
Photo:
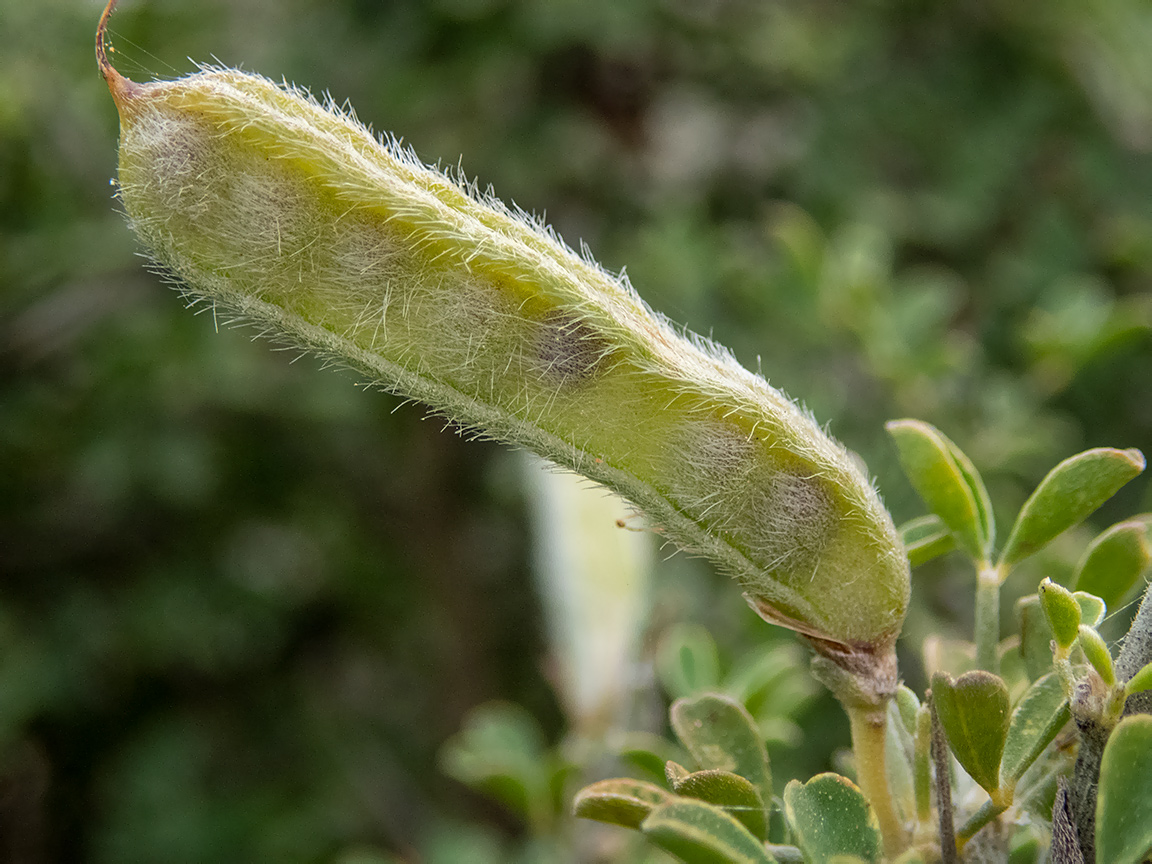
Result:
1095,730
988,619
989,811
948,852
1085,779
1064,671
1065,839
869,733
864,682
923,766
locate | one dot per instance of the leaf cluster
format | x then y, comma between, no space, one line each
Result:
1009,732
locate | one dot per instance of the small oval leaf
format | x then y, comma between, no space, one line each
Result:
620,801
1063,612
1071,492
1115,560
1035,637
909,706
899,756
1092,608
1038,718
1124,797
720,733
922,776
925,538
954,656
687,661
1141,681
1097,653
699,833
649,753
929,461
761,676
973,710
501,750
829,817
731,793
987,521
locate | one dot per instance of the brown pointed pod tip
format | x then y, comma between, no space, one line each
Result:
120,87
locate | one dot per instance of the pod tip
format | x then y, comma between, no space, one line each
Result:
120,87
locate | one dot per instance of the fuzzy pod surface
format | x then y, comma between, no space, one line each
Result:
291,214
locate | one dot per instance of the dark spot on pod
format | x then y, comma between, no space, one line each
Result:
804,502
569,349
789,520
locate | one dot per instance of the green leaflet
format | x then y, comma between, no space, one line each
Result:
648,753
1141,681
1124,798
1115,560
502,750
1063,612
730,792
925,538
1092,608
621,801
719,733
1035,636
973,710
1097,653
947,481
1066,496
1041,713
699,833
686,660
830,818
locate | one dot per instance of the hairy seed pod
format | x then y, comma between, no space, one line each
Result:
290,213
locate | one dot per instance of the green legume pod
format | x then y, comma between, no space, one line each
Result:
291,214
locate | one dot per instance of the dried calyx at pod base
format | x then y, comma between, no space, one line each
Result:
288,213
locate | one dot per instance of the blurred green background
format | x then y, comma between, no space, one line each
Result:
244,603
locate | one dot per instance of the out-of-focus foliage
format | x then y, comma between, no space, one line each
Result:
243,604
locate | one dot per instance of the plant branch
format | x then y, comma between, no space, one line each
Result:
987,634
1085,779
869,734
948,852
989,811
864,681
1096,729
1065,841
